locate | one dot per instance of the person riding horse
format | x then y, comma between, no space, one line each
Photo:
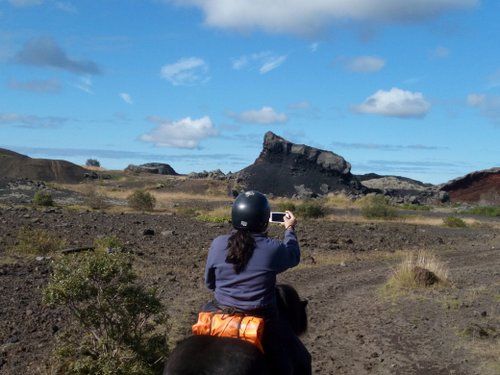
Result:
241,270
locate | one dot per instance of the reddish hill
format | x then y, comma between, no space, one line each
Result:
476,186
15,166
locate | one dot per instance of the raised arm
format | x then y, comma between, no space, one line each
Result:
288,254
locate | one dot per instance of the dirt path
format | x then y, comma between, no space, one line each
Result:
355,328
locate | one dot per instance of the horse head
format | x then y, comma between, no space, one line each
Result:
292,308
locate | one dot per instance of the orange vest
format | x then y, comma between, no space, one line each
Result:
247,328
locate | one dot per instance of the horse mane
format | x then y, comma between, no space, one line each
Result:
292,308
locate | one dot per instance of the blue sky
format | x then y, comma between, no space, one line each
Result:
409,88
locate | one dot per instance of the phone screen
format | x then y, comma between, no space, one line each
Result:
277,217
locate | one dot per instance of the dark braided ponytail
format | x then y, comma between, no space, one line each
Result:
241,245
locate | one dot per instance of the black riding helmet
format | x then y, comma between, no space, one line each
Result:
251,211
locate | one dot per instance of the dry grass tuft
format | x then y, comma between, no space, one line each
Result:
338,200
217,215
407,274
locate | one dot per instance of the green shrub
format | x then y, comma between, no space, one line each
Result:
108,244
493,211
37,242
286,206
114,319
92,163
43,198
310,209
141,200
377,207
454,222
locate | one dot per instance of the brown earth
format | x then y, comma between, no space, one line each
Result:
356,326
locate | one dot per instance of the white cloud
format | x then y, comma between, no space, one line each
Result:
488,105
272,64
265,61
440,52
309,17
126,98
395,103
365,64
185,133
314,46
85,84
265,116
186,72
25,3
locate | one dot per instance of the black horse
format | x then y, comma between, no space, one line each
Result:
207,355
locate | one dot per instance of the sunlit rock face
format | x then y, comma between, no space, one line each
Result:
287,169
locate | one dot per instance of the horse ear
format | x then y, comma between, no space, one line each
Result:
304,302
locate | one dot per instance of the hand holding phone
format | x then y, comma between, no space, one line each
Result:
289,220
277,217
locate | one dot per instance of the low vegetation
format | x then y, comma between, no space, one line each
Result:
307,209
92,163
108,244
310,209
37,242
454,222
377,207
218,215
95,200
43,198
422,269
141,200
114,319
414,207
492,211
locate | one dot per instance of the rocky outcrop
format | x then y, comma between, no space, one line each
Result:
15,166
286,169
375,181
154,168
476,187
216,174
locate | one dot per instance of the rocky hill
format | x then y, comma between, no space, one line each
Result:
286,169
154,168
480,186
15,166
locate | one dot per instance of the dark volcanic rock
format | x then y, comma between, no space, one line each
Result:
480,186
285,169
155,168
15,166
424,277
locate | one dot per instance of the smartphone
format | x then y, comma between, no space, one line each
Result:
277,217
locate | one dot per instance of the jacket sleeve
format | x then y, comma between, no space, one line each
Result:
288,253
210,269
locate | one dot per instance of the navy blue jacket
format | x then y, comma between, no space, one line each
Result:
253,288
